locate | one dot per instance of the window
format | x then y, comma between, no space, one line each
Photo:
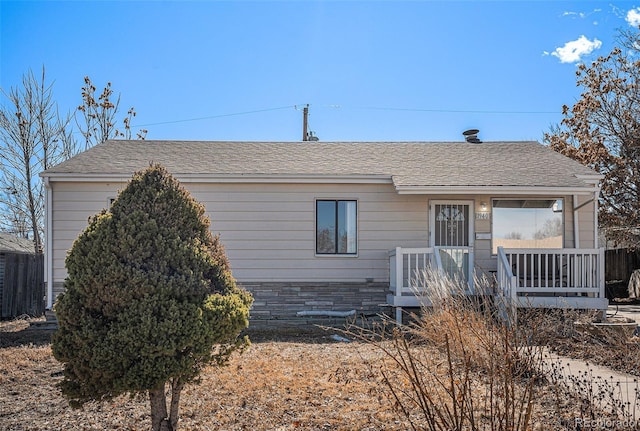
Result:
336,227
527,223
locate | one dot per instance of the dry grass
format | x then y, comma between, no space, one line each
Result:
461,368
286,381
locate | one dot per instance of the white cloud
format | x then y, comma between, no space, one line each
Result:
581,15
573,51
633,17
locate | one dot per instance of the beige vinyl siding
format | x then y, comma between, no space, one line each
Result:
586,216
567,212
269,229
73,204
484,261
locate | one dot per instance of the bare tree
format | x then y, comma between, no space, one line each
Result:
602,131
33,137
514,235
551,227
98,116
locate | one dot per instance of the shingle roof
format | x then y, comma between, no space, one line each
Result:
12,243
409,164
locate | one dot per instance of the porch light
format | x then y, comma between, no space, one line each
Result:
483,206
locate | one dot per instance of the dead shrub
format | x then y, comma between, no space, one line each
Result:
458,366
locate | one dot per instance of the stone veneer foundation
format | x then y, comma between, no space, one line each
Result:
282,300
276,302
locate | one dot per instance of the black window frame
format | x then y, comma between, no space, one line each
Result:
336,241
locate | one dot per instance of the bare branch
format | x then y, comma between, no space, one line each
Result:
602,131
32,134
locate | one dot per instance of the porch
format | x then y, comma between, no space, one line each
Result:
526,278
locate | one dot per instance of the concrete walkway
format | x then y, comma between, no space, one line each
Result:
631,311
606,389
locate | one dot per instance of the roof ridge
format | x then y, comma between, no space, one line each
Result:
423,163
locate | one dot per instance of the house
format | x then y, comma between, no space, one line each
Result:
21,278
346,225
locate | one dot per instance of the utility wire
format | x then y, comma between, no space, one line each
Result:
454,111
336,106
214,116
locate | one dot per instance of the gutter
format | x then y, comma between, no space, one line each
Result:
576,227
494,190
233,178
596,209
48,253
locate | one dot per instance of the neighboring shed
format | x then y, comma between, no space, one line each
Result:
21,278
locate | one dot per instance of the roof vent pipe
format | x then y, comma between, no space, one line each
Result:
471,136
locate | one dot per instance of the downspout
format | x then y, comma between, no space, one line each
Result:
48,253
576,227
596,233
601,254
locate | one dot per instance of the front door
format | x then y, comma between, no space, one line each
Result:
452,232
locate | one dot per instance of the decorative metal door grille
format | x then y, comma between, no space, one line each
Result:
452,225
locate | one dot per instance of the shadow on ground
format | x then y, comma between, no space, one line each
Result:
26,337
36,336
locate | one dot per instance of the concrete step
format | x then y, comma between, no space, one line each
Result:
45,326
50,322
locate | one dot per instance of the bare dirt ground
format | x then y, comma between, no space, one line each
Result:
288,380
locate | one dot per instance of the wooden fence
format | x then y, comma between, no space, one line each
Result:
620,263
22,290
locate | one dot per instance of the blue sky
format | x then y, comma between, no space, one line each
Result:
370,71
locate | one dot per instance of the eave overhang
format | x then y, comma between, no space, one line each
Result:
229,178
590,183
495,190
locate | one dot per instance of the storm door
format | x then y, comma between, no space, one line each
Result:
452,233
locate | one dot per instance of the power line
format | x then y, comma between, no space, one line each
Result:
455,111
336,106
214,116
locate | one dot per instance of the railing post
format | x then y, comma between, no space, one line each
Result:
399,272
507,287
399,315
601,271
514,297
438,259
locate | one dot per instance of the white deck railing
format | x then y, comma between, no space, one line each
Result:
406,266
525,277
506,288
531,277
406,280
507,282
